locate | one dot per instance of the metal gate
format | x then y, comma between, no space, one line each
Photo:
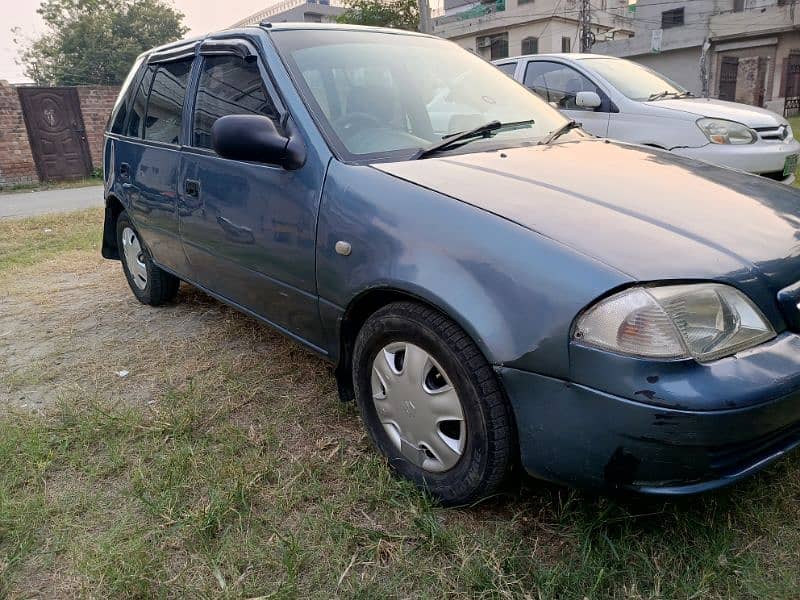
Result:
791,86
56,132
728,72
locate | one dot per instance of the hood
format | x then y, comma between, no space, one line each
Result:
752,116
645,212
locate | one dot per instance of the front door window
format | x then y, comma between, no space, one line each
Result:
558,83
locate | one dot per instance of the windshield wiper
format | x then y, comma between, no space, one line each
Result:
482,131
568,126
664,94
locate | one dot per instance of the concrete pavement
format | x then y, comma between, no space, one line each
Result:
28,204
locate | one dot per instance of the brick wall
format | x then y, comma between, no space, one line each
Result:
16,160
96,104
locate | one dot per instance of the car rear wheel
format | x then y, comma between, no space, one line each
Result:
432,403
149,283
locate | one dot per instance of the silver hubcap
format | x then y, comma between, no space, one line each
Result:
418,407
134,259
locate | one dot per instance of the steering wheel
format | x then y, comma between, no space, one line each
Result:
356,121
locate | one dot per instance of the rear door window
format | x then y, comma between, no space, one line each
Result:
120,112
508,68
229,85
165,106
139,105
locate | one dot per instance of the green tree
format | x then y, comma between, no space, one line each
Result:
97,41
399,14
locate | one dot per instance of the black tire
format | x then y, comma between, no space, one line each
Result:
161,287
491,438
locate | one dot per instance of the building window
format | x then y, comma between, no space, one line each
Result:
521,2
566,44
672,18
530,45
493,47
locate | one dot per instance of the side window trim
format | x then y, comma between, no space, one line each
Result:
242,48
173,54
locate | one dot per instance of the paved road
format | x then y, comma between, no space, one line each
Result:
27,204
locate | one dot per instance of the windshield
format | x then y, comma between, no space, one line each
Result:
384,95
632,79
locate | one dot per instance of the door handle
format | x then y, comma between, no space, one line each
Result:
192,188
124,170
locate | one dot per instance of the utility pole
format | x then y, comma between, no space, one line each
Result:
424,16
704,67
585,34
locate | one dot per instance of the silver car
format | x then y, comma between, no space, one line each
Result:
620,99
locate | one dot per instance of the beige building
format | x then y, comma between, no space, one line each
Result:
750,48
305,11
499,28
756,53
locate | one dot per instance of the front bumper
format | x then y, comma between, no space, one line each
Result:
580,436
761,158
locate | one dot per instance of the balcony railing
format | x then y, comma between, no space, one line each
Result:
281,7
479,10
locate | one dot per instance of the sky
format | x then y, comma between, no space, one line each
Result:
201,16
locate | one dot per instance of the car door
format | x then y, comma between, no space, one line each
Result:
148,168
249,229
559,84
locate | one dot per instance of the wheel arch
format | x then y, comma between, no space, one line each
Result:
365,304
113,210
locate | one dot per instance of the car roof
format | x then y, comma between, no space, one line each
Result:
282,26
561,55
299,26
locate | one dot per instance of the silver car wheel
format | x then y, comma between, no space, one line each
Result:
134,257
418,407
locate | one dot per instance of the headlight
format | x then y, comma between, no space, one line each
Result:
704,321
720,131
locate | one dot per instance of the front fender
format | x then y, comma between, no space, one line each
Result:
514,291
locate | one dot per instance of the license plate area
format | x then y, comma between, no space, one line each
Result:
790,166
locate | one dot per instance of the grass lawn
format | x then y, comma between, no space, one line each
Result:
223,465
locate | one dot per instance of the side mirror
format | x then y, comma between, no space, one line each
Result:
255,138
587,100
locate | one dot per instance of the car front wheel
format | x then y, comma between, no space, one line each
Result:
432,403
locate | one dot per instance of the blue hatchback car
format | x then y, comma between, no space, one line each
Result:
493,285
